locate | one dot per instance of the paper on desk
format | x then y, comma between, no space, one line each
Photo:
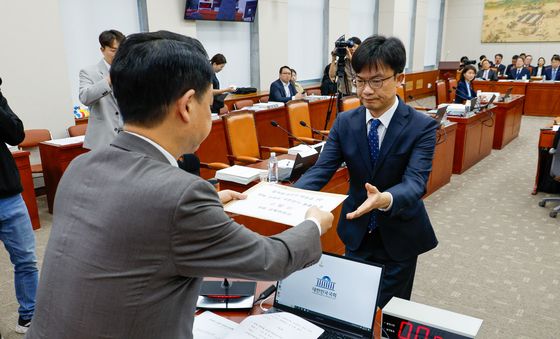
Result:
555,128
282,325
282,204
211,326
67,141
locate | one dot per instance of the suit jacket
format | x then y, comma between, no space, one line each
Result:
402,168
536,69
491,75
462,94
508,69
501,68
104,120
131,241
277,92
524,72
548,73
11,132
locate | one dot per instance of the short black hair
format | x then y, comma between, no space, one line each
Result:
218,59
465,69
282,68
482,57
356,40
555,57
293,71
500,55
377,51
515,57
106,38
152,70
522,55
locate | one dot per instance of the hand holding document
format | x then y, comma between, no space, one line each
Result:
280,325
282,204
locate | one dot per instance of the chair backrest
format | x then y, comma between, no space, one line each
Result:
298,110
400,92
350,102
77,130
225,109
314,91
263,99
35,136
441,92
239,104
241,134
452,88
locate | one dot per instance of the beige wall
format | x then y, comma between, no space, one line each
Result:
462,32
169,15
33,65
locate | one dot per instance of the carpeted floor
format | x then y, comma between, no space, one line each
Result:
498,258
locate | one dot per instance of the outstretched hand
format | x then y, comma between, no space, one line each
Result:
375,200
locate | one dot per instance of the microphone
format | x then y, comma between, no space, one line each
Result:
275,124
313,129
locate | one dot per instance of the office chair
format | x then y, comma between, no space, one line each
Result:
241,138
31,141
441,93
298,110
77,130
452,88
314,91
239,104
350,102
555,174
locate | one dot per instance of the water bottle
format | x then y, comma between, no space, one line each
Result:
273,168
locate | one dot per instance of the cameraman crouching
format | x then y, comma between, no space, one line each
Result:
344,83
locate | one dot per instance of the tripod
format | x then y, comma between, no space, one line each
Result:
336,98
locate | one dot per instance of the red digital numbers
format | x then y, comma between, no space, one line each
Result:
406,330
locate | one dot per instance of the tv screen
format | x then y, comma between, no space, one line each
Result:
221,10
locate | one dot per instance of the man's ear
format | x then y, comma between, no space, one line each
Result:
183,103
400,79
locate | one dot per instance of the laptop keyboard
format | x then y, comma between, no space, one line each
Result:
330,334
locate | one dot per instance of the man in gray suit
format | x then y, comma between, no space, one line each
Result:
96,92
132,240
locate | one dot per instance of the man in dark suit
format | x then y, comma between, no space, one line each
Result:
519,72
388,149
501,68
282,89
512,65
486,73
131,241
553,72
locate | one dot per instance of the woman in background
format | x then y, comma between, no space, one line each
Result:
218,63
538,71
465,90
297,85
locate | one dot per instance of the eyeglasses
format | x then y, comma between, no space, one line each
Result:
372,83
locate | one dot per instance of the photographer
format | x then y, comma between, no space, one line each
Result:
16,231
344,83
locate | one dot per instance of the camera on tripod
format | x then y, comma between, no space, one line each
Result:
340,46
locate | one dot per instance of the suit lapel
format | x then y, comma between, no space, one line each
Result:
132,143
105,73
396,127
359,130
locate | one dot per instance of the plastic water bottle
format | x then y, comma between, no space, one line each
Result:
273,168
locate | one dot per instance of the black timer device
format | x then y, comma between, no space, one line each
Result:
403,319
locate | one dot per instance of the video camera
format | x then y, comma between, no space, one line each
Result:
469,62
340,46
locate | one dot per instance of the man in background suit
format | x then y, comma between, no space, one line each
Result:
501,68
388,149
132,240
486,73
96,92
283,90
512,65
519,72
553,72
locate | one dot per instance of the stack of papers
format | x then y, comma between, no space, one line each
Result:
314,97
239,174
66,141
302,149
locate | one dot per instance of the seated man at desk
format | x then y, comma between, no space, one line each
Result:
486,73
519,72
553,72
283,90
501,68
131,242
512,65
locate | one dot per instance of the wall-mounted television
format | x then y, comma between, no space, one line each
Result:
221,10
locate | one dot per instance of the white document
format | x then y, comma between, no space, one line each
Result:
282,204
239,174
555,128
211,326
66,141
282,325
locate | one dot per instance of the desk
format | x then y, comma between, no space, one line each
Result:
442,164
542,99
330,241
474,140
543,181
239,316
519,87
55,158
24,167
507,118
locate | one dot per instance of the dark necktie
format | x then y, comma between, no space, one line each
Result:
373,143
518,73
553,77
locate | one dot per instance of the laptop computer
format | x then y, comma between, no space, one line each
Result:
473,103
506,95
301,164
440,113
338,294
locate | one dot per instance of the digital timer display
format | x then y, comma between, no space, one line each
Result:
397,328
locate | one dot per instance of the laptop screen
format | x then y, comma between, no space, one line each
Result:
337,291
